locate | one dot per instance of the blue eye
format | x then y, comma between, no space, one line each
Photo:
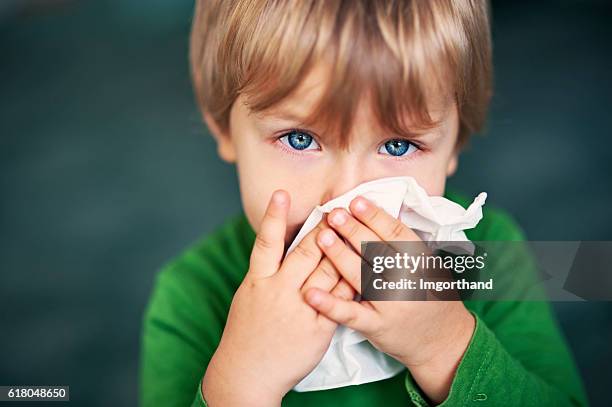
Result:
298,140
397,147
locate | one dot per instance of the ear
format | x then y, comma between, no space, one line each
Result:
225,147
453,162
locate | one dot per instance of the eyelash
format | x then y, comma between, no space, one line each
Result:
297,153
420,148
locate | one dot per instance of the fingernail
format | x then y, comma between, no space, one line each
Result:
327,238
278,197
314,298
338,218
361,204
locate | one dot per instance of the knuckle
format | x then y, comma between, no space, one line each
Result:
350,318
263,243
397,230
375,216
328,270
252,284
304,252
247,288
348,290
344,291
352,230
274,215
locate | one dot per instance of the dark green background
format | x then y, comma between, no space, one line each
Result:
106,172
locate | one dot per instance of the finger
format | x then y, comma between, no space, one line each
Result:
350,228
347,262
343,290
304,258
346,312
325,276
270,241
384,225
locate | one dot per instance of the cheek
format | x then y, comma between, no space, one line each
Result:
255,192
434,186
254,195
431,173
260,174
432,181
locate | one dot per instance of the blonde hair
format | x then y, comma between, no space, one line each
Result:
396,51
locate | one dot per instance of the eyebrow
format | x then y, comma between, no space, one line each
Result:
294,117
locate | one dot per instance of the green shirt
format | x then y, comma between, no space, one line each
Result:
516,356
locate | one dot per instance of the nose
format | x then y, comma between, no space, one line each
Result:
345,174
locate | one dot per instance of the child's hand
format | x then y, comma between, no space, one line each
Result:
428,337
273,338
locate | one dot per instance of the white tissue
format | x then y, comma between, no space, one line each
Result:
350,358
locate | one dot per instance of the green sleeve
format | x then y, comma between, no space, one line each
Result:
186,314
199,399
533,374
175,345
517,355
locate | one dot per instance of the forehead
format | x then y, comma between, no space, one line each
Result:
302,102
301,107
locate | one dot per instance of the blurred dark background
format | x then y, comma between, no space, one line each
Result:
106,172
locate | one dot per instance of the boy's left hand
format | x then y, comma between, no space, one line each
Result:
428,337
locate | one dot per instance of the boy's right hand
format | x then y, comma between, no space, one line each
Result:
273,338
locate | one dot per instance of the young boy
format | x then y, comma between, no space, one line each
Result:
310,99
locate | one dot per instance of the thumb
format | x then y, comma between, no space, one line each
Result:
270,241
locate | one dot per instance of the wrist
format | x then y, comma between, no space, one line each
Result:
224,385
436,372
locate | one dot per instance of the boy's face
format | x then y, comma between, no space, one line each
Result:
270,154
